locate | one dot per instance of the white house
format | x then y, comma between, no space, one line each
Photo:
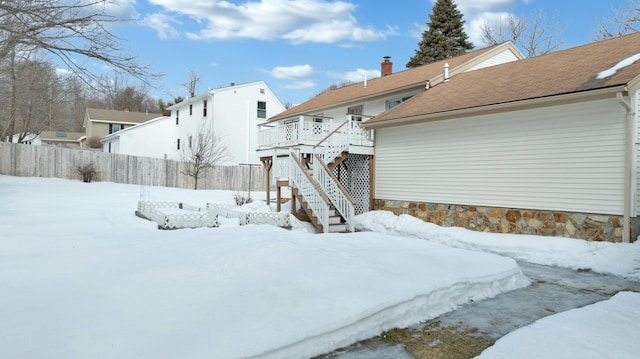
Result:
28,139
148,139
331,126
546,145
232,113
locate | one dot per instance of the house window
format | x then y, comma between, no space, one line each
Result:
356,110
204,108
178,144
262,109
262,91
177,117
115,127
396,101
109,147
191,110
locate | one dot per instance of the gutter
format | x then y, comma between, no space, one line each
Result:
628,163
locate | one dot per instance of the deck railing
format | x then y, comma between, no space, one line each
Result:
308,130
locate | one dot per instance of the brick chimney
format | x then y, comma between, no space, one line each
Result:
386,66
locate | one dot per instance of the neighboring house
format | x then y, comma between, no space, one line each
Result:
100,123
56,138
28,139
148,139
546,145
331,126
232,113
62,138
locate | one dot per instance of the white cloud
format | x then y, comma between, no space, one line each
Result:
292,72
120,9
473,27
354,76
299,21
476,13
162,24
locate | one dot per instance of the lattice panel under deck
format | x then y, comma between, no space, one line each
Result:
354,176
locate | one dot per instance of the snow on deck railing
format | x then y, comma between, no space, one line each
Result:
176,215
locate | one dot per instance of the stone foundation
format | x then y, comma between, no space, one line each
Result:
592,227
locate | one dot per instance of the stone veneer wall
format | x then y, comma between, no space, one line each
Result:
596,227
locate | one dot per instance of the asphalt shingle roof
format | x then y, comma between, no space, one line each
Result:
407,78
120,116
562,72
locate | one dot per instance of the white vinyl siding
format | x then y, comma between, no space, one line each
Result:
501,58
565,158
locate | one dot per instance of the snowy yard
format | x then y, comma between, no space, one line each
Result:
82,277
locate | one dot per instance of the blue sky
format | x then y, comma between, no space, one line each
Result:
299,47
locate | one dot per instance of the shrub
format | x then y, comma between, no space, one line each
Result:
241,199
88,172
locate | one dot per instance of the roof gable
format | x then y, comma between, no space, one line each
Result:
563,72
397,81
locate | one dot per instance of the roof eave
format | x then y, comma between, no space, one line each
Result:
500,107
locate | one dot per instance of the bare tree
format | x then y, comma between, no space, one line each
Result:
533,34
624,21
201,151
192,85
71,30
66,29
31,97
116,93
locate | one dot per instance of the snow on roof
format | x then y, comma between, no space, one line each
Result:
622,64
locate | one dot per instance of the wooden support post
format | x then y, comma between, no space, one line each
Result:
267,162
293,203
278,198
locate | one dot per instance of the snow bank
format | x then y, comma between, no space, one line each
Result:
82,277
622,259
602,330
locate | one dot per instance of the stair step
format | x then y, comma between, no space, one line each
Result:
335,220
337,228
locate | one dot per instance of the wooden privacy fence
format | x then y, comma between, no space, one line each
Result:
61,162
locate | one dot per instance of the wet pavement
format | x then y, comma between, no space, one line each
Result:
552,290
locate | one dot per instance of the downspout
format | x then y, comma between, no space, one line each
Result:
628,163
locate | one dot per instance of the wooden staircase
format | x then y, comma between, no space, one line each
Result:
322,198
336,222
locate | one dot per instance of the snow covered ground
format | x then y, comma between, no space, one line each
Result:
81,276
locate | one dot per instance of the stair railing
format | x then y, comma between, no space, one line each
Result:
317,201
338,195
332,145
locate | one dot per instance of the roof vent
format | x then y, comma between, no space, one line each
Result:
446,72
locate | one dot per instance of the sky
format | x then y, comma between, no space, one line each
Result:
300,47
82,276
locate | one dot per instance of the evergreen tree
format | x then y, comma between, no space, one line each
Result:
445,36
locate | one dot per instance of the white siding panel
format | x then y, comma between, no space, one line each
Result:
501,58
568,158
